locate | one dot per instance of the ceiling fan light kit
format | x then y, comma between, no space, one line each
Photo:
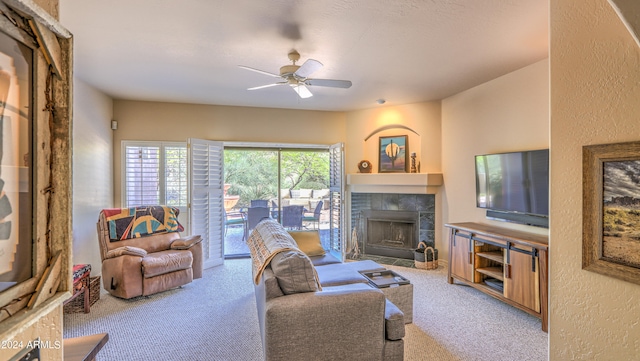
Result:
297,76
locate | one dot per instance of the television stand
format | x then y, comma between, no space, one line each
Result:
509,265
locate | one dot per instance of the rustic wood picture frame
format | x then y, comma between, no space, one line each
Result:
598,190
49,161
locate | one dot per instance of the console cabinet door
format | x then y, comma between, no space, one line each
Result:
521,281
461,257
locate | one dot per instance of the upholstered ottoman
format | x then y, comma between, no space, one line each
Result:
396,289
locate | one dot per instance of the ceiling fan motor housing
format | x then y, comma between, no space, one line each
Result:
288,70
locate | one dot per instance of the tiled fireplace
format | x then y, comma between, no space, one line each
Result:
392,225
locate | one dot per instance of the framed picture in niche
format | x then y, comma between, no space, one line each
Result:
393,155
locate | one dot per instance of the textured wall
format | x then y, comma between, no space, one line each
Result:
47,328
595,97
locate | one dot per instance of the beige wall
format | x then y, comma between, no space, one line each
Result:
510,113
177,122
92,169
423,120
420,122
595,99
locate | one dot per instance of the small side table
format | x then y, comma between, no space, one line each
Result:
81,273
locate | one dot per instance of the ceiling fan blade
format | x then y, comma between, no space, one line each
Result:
267,86
309,67
329,82
260,71
302,91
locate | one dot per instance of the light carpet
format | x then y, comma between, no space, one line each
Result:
214,318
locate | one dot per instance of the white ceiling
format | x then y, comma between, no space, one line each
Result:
404,51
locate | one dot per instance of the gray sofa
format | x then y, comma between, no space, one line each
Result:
313,307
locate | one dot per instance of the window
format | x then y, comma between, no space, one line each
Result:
155,173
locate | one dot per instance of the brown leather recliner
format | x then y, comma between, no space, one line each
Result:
144,264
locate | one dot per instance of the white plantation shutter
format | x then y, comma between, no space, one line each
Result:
207,197
156,173
142,175
336,187
176,180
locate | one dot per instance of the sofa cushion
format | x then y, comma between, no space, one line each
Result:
295,272
270,283
393,322
345,273
320,193
326,258
155,264
305,193
308,242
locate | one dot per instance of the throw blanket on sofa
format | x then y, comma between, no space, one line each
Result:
134,222
263,249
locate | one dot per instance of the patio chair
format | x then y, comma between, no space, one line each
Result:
292,217
315,217
274,210
259,203
254,216
233,219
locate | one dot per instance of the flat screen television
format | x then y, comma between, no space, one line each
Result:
514,186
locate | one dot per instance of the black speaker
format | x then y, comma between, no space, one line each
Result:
528,219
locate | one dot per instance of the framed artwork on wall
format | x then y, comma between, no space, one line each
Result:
611,210
16,94
393,155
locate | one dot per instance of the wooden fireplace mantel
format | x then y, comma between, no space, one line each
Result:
408,183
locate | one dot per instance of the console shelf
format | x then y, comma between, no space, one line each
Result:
507,264
494,272
496,256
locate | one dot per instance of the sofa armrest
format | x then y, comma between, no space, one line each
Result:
126,250
353,314
186,243
393,322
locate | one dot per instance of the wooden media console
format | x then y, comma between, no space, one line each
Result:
509,265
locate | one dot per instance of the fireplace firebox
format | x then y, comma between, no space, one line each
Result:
391,233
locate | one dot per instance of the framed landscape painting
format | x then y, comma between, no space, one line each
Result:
611,210
393,154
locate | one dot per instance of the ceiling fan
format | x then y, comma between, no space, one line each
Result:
297,76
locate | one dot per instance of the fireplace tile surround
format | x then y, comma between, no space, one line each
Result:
423,204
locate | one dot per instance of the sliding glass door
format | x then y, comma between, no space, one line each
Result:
251,181
304,191
291,183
